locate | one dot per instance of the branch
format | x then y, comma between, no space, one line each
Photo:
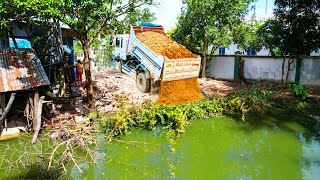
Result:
54,150
104,23
89,28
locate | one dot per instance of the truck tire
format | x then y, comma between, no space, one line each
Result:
143,84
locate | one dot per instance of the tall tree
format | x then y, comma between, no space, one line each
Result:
87,18
208,22
294,30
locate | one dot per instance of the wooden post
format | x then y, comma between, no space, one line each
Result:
27,111
37,111
35,108
2,102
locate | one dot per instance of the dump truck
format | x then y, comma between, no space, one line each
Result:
145,66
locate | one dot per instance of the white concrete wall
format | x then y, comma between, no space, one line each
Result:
310,71
221,67
266,68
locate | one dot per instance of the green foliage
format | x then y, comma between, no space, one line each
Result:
245,34
242,102
295,106
175,118
32,12
300,91
276,52
209,20
170,31
295,28
260,94
136,16
77,46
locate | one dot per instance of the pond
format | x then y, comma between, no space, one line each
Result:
271,146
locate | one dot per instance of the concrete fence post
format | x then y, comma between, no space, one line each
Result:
236,67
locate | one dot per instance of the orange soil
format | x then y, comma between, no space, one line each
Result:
163,45
180,91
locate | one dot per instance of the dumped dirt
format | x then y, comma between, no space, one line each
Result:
163,45
173,92
181,91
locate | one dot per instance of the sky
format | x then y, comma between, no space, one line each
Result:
168,11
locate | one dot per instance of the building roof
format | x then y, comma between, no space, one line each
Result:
20,69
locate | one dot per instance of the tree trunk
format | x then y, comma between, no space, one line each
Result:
87,70
204,60
290,61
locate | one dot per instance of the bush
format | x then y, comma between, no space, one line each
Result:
176,118
300,91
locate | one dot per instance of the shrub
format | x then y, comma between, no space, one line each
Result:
300,91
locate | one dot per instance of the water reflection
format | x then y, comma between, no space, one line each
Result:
311,158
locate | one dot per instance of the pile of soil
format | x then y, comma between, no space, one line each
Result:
180,91
163,45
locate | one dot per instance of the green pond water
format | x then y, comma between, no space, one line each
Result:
272,146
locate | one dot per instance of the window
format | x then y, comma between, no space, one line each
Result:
121,42
250,51
222,51
111,41
117,42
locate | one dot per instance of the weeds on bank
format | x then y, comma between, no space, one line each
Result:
300,91
176,118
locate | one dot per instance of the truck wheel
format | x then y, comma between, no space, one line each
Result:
143,84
